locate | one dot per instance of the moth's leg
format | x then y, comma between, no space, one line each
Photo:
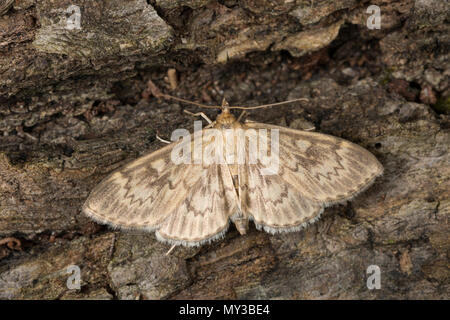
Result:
171,249
199,114
210,125
161,139
241,115
307,126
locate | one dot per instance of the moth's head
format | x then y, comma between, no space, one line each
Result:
225,119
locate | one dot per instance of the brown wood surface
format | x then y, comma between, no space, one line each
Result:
75,104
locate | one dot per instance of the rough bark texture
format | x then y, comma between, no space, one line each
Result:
74,105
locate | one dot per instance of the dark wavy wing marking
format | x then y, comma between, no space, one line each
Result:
204,214
274,204
150,190
321,167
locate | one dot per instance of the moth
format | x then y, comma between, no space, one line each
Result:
193,202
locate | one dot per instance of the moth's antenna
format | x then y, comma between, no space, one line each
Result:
166,96
190,102
233,107
158,94
268,105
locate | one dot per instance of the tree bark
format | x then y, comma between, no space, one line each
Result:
75,104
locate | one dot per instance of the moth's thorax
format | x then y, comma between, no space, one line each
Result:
226,120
